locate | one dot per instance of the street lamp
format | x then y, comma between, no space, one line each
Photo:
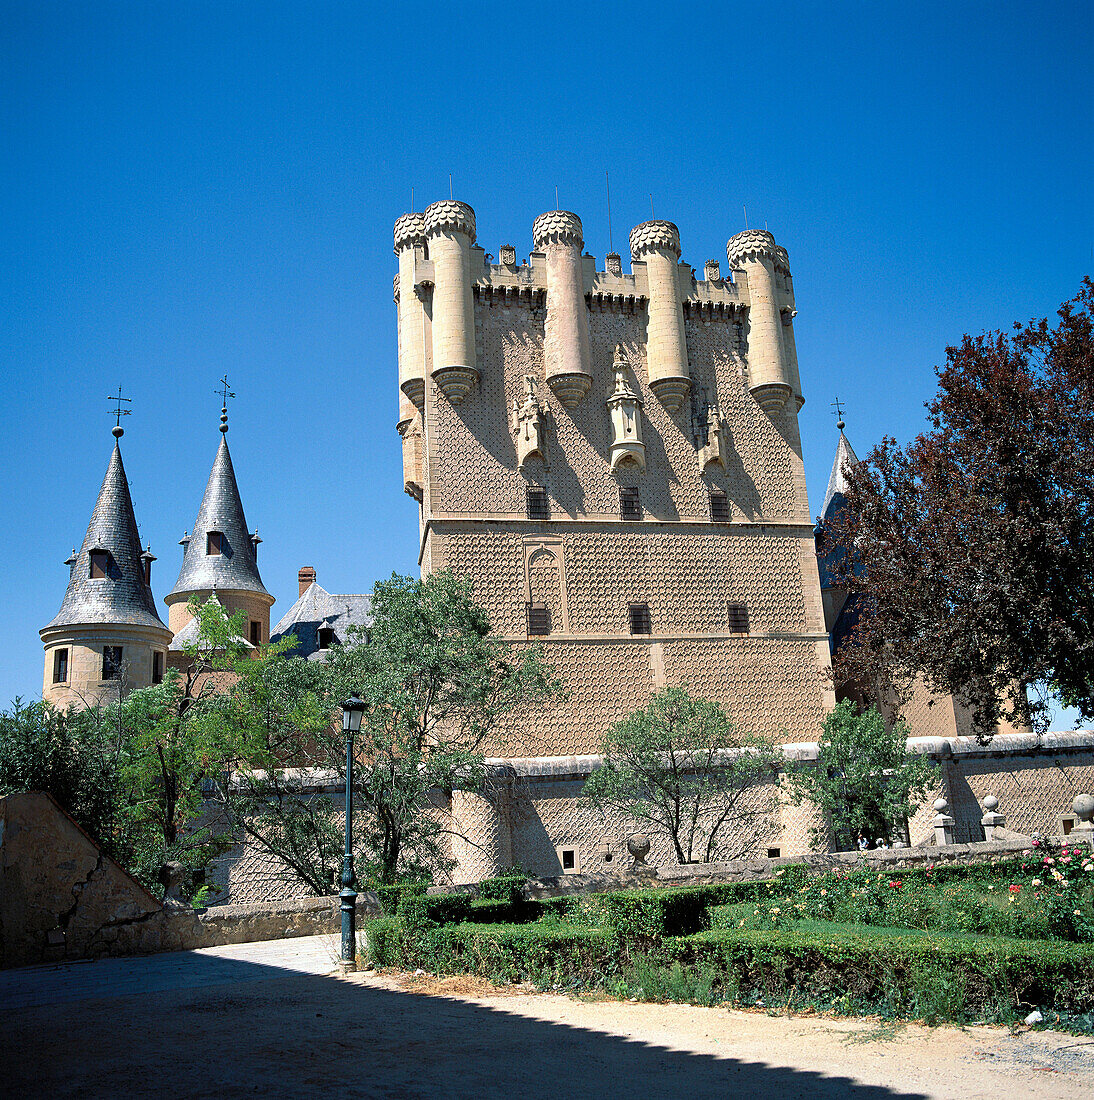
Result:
352,709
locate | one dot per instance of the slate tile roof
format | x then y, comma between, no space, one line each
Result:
317,609
122,597
236,568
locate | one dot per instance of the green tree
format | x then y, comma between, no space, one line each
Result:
865,780
437,683
678,767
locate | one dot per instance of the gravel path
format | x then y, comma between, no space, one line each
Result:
270,1019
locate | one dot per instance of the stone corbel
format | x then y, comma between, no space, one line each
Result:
529,425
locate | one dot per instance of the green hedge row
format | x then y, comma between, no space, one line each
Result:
956,979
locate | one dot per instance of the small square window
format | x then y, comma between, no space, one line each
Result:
60,666
719,506
99,562
639,615
737,616
539,618
774,853
157,668
112,662
630,507
256,634
326,636
214,543
536,503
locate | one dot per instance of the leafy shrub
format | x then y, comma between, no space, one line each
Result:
389,895
508,887
430,910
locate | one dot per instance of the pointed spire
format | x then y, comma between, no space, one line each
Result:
837,481
219,552
120,595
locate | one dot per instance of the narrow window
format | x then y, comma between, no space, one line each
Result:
629,505
719,506
60,666
326,636
640,618
536,503
737,615
256,634
157,668
112,662
214,543
539,618
569,858
99,561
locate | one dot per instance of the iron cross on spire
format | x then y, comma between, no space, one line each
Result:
119,412
839,414
224,393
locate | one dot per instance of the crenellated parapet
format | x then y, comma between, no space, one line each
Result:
409,231
567,351
450,216
657,245
771,362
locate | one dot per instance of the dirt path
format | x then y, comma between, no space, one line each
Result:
270,1020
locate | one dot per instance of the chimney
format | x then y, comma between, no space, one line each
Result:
306,577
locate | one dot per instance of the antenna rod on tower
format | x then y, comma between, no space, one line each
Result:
608,191
450,185
745,209
412,200
556,196
652,214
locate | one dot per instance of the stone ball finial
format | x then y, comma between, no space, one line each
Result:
452,216
752,244
991,803
638,844
557,227
1083,807
655,236
941,805
409,231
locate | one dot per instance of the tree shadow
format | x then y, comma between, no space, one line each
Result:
202,1025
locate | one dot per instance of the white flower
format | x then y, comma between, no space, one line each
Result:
1036,882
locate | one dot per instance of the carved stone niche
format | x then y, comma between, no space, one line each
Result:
529,425
706,423
625,414
507,255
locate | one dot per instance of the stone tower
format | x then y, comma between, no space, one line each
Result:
107,639
220,557
615,459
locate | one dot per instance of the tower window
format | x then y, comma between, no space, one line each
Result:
157,667
112,662
214,543
737,615
99,562
326,636
539,618
256,634
629,505
719,506
60,666
536,503
639,615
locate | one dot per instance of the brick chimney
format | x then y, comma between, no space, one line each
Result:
306,577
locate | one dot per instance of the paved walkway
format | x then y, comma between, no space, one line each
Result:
274,1019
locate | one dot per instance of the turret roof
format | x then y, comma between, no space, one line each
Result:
317,608
837,481
122,597
235,568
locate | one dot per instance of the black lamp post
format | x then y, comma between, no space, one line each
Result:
352,709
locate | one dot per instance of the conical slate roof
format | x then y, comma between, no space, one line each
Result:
837,481
122,597
235,568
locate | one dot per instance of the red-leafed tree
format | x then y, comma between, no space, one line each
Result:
970,552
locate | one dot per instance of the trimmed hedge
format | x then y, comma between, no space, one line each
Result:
938,978
508,888
389,896
418,911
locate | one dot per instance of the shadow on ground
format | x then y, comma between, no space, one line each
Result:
195,1025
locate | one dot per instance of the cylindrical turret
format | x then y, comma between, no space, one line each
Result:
787,313
409,428
410,231
754,251
658,244
450,233
567,351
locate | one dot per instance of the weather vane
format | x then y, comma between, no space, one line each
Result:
224,393
839,414
119,412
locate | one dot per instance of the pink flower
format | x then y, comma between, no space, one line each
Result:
1014,889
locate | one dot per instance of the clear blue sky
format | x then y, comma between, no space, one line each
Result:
190,189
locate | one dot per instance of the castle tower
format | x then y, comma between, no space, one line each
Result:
647,525
107,639
220,556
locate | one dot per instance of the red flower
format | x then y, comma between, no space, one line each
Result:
896,884
1014,889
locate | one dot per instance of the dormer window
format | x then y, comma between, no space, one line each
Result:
99,562
326,637
214,543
